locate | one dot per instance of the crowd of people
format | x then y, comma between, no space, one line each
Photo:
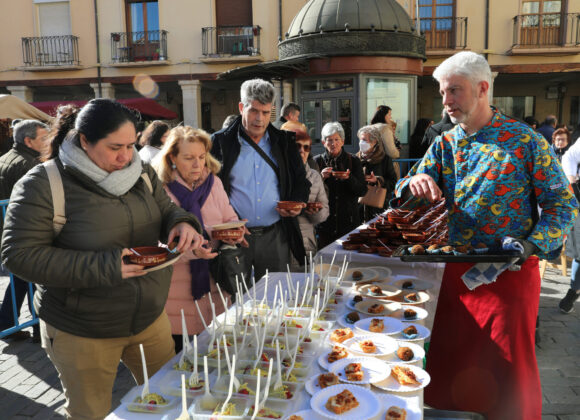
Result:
84,177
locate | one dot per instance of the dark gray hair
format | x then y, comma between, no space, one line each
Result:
288,108
229,120
330,128
257,90
372,131
27,128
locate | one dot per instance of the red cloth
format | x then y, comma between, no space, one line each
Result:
482,355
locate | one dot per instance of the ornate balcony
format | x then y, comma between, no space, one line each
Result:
230,41
46,52
140,46
548,31
445,33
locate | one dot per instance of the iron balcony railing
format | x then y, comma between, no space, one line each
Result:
547,30
127,47
230,40
444,32
59,50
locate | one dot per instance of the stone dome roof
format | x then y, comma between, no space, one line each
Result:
357,15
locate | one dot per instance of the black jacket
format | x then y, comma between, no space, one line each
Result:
342,194
436,130
293,183
385,171
14,165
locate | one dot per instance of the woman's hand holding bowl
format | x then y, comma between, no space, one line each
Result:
130,270
326,172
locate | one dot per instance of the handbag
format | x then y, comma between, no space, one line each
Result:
226,267
375,197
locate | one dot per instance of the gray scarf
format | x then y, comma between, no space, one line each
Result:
116,183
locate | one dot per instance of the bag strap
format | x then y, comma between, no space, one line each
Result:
57,192
262,154
147,181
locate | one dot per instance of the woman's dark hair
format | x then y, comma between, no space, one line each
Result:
152,134
380,113
64,121
96,120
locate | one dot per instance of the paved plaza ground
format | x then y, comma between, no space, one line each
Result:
30,389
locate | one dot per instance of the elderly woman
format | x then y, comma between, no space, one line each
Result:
316,210
189,173
344,179
152,140
377,166
95,308
560,142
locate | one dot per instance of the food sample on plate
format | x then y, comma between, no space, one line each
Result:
409,314
186,365
377,308
375,291
417,250
245,389
295,417
282,393
352,317
356,275
408,285
448,249
152,398
367,346
356,299
327,379
193,386
341,403
354,372
341,334
396,413
405,354
410,332
337,353
433,249
404,375
376,325
412,297
267,413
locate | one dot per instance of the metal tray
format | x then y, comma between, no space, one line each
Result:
506,257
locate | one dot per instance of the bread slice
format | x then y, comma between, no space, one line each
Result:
341,334
404,375
327,379
337,353
341,403
367,346
377,308
396,413
376,325
354,372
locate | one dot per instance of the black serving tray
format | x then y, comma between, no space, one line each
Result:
505,256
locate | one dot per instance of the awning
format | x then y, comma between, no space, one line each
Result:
276,69
15,108
147,107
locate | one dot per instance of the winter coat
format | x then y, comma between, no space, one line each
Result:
307,222
14,165
78,273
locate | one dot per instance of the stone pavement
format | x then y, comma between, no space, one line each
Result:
30,389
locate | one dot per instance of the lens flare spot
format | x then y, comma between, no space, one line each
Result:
146,86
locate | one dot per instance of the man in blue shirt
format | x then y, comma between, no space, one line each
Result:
262,166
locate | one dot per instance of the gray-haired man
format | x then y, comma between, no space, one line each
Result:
30,142
261,166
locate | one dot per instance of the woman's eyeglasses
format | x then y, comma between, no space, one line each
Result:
306,147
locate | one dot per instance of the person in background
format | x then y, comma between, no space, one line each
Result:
384,115
5,135
296,127
495,372
548,127
437,129
30,142
388,144
229,120
188,171
532,122
95,308
289,112
560,142
260,167
152,140
343,188
417,148
377,166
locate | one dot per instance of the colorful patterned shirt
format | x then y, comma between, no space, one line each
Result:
492,181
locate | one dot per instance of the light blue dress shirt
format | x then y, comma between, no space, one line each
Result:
255,191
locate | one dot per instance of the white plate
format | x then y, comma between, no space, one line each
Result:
323,359
368,274
229,225
391,384
172,260
410,404
422,331
421,314
312,386
385,345
388,307
374,370
306,415
350,303
423,297
418,351
392,325
369,405
344,323
383,272
386,291
418,284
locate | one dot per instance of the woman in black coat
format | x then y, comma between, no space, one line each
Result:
343,188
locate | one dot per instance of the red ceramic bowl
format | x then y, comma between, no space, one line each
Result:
289,205
367,249
350,246
340,174
225,234
413,237
149,255
313,206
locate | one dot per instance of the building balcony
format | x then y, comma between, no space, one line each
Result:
546,34
230,44
444,36
46,53
139,48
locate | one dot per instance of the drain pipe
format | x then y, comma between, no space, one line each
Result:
279,20
486,40
99,81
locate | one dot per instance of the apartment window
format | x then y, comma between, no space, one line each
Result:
53,18
233,13
142,16
515,106
437,18
541,21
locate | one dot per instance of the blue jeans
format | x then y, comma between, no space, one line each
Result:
575,277
6,312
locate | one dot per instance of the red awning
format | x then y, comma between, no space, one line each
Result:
147,107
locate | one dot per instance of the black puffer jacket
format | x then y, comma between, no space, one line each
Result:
78,273
14,165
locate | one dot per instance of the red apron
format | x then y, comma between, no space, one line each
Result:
482,356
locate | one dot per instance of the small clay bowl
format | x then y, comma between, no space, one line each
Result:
313,206
366,249
385,251
226,234
341,174
149,255
289,205
413,237
350,246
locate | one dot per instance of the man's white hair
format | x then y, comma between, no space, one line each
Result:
468,64
257,90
